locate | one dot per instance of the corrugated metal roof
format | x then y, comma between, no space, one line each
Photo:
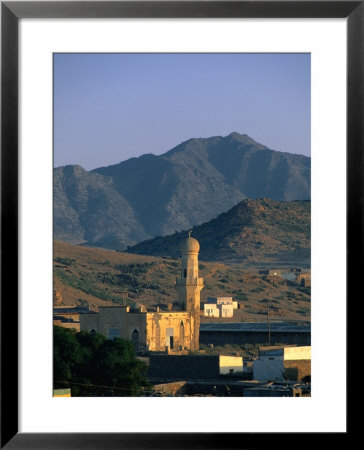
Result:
286,327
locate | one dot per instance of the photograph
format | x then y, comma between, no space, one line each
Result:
181,219
181,225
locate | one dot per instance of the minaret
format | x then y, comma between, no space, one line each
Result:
189,286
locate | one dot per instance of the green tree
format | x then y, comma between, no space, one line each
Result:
116,365
95,366
67,353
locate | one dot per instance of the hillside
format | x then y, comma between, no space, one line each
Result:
253,232
149,196
97,277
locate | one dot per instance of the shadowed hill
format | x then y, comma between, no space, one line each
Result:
254,231
88,209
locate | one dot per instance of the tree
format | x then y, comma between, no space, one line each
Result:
66,353
95,366
116,365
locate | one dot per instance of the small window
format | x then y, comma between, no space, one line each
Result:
184,273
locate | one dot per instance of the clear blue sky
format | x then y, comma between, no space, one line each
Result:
110,107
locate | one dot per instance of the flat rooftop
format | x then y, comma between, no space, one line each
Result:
72,310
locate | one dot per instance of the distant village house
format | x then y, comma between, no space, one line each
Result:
219,307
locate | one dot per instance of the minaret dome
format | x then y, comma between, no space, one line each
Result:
190,245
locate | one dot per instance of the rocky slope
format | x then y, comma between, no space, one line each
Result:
253,232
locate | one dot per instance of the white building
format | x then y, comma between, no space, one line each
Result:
219,307
211,310
226,310
277,364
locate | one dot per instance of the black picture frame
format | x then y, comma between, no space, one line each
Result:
11,12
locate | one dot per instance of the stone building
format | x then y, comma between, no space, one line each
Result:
162,330
271,272
69,316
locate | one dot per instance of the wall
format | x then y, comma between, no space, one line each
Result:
264,369
226,310
294,353
211,310
184,366
158,324
89,322
229,364
73,316
116,318
236,337
138,322
111,317
70,325
297,370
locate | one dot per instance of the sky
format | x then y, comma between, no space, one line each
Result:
111,107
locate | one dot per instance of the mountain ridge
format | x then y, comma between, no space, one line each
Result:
146,196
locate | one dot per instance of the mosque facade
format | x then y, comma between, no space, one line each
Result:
162,330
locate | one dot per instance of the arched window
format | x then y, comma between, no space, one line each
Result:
184,273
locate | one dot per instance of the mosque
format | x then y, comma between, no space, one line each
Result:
162,330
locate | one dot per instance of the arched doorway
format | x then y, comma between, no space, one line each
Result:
135,339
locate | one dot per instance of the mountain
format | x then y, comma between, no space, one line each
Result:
89,209
253,232
143,197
